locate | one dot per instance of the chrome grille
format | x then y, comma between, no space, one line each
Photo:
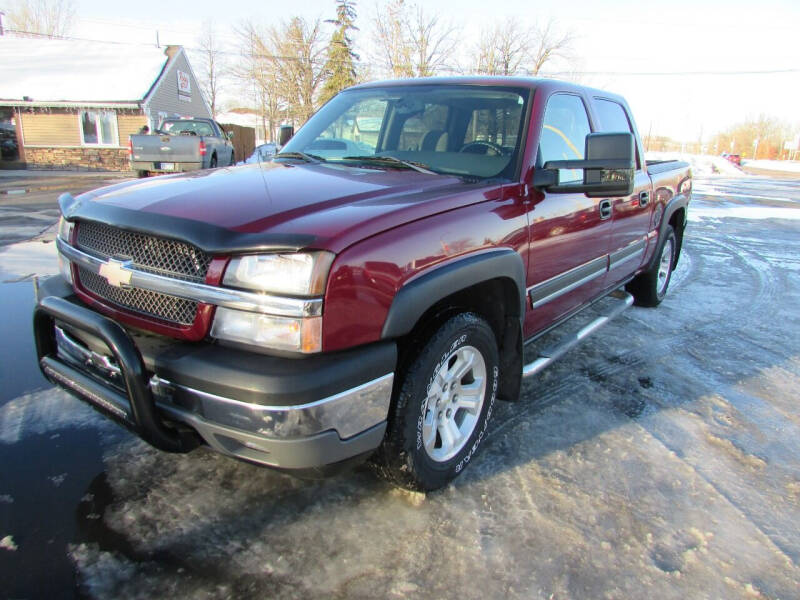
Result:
145,302
170,258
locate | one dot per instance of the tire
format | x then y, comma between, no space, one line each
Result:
233,159
426,444
650,288
142,174
212,164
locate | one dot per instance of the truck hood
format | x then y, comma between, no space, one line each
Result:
275,206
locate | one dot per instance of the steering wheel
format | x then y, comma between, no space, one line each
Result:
498,150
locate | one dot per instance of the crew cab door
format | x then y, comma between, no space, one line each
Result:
630,220
569,233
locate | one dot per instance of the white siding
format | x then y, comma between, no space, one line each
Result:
164,97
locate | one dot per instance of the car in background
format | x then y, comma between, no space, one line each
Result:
736,159
261,153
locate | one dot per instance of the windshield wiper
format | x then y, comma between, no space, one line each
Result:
417,166
312,158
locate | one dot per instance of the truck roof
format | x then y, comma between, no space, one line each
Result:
491,80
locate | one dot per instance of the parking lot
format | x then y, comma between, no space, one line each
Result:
660,459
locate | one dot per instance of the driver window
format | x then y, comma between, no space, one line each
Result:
564,132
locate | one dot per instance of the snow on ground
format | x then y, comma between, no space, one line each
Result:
789,166
657,460
703,165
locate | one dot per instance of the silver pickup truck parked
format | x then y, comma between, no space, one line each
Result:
181,145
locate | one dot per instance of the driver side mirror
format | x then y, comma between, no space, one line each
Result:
607,169
229,135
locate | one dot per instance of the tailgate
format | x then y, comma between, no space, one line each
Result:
166,148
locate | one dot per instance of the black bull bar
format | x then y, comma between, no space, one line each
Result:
142,417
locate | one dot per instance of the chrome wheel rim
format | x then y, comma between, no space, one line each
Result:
664,267
454,402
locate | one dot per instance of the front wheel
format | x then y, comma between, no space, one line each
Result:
442,406
650,288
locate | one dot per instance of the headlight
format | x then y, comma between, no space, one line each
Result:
281,333
65,233
65,229
301,274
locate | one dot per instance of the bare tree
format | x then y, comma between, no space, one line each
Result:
285,66
510,48
411,42
212,65
432,41
300,69
257,72
549,43
390,39
502,49
51,18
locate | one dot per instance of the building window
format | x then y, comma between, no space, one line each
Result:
98,128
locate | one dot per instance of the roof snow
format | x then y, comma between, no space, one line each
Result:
48,70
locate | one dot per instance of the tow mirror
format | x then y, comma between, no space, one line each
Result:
286,133
607,169
229,135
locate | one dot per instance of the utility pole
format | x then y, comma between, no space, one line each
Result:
2,14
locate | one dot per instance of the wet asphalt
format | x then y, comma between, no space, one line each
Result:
659,459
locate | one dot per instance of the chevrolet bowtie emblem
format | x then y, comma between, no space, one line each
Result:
117,272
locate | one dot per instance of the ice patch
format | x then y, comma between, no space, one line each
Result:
44,411
57,480
704,211
788,166
7,543
6,499
36,257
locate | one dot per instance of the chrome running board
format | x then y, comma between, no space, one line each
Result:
548,356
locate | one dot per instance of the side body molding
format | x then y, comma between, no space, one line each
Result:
413,299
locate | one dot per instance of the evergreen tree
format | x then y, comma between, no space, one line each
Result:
340,67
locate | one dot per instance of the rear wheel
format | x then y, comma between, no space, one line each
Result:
442,406
233,159
213,163
650,288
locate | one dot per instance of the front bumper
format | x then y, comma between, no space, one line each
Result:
287,413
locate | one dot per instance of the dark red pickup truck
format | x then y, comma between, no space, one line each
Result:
371,290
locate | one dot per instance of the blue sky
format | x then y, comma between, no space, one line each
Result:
616,43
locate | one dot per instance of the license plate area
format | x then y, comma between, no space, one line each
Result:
167,166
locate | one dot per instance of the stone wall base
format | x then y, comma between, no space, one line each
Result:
78,159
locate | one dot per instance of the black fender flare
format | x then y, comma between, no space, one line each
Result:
421,293
675,203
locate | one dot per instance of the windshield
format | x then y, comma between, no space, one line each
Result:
461,130
181,127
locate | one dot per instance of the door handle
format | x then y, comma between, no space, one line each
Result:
605,209
644,198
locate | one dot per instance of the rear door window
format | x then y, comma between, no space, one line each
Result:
613,119
564,132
